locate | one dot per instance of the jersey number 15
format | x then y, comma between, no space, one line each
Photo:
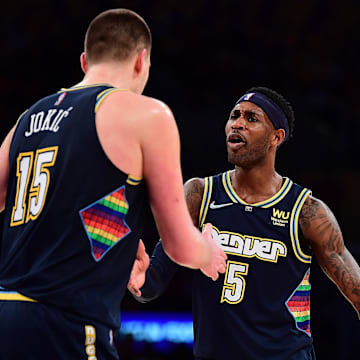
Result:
30,200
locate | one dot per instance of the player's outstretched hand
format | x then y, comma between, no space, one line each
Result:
137,276
218,262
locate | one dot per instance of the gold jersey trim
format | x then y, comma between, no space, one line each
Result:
205,200
14,296
285,188
294,226
102,95
74,88
132,180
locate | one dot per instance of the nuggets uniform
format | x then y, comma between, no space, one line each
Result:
70,232
260,308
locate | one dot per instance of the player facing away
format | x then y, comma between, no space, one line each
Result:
73,179
269,227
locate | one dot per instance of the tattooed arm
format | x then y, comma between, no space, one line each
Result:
322,232
194,190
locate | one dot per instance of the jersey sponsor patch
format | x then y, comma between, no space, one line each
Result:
280,217
104,222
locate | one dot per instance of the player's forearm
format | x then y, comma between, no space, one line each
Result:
158,275
152,288
187,248
345,272
181,240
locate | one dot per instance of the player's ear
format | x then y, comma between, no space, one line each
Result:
278,137
140,61
83,62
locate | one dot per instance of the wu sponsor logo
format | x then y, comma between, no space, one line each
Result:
280,217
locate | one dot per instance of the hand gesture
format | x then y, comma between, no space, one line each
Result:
137,276
218,262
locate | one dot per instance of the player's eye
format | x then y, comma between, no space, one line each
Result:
235,114
252,119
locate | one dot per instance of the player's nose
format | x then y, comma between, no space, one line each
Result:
239,123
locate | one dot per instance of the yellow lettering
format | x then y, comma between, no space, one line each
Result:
280,214
90,350
90,338
276,213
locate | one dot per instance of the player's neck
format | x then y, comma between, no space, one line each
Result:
255,184
103,74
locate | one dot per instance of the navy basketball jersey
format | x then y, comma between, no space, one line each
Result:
73,219
260,308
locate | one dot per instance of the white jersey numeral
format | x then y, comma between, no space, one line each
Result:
234,283
29,201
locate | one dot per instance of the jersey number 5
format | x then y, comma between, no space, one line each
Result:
234,283
29,201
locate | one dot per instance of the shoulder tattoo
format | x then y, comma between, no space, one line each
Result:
318,219
194,190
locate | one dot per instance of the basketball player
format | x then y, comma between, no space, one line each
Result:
269,227
72,181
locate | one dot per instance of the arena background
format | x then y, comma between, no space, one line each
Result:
206,53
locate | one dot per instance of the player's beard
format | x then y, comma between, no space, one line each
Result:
249,156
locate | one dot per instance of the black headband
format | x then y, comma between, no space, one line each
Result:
272,110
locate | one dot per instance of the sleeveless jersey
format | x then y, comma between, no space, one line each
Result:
260,308
73,219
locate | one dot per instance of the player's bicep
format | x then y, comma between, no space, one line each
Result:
161,164
320,227
322,232
161,153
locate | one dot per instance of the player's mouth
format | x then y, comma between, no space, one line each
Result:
236,141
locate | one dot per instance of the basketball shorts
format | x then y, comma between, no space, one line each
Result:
34,331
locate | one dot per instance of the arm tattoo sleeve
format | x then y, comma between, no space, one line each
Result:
323,234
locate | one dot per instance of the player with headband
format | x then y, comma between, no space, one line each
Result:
270,228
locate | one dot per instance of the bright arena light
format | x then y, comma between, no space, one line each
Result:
157,327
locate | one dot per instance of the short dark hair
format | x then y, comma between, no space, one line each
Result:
278,99
116,34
